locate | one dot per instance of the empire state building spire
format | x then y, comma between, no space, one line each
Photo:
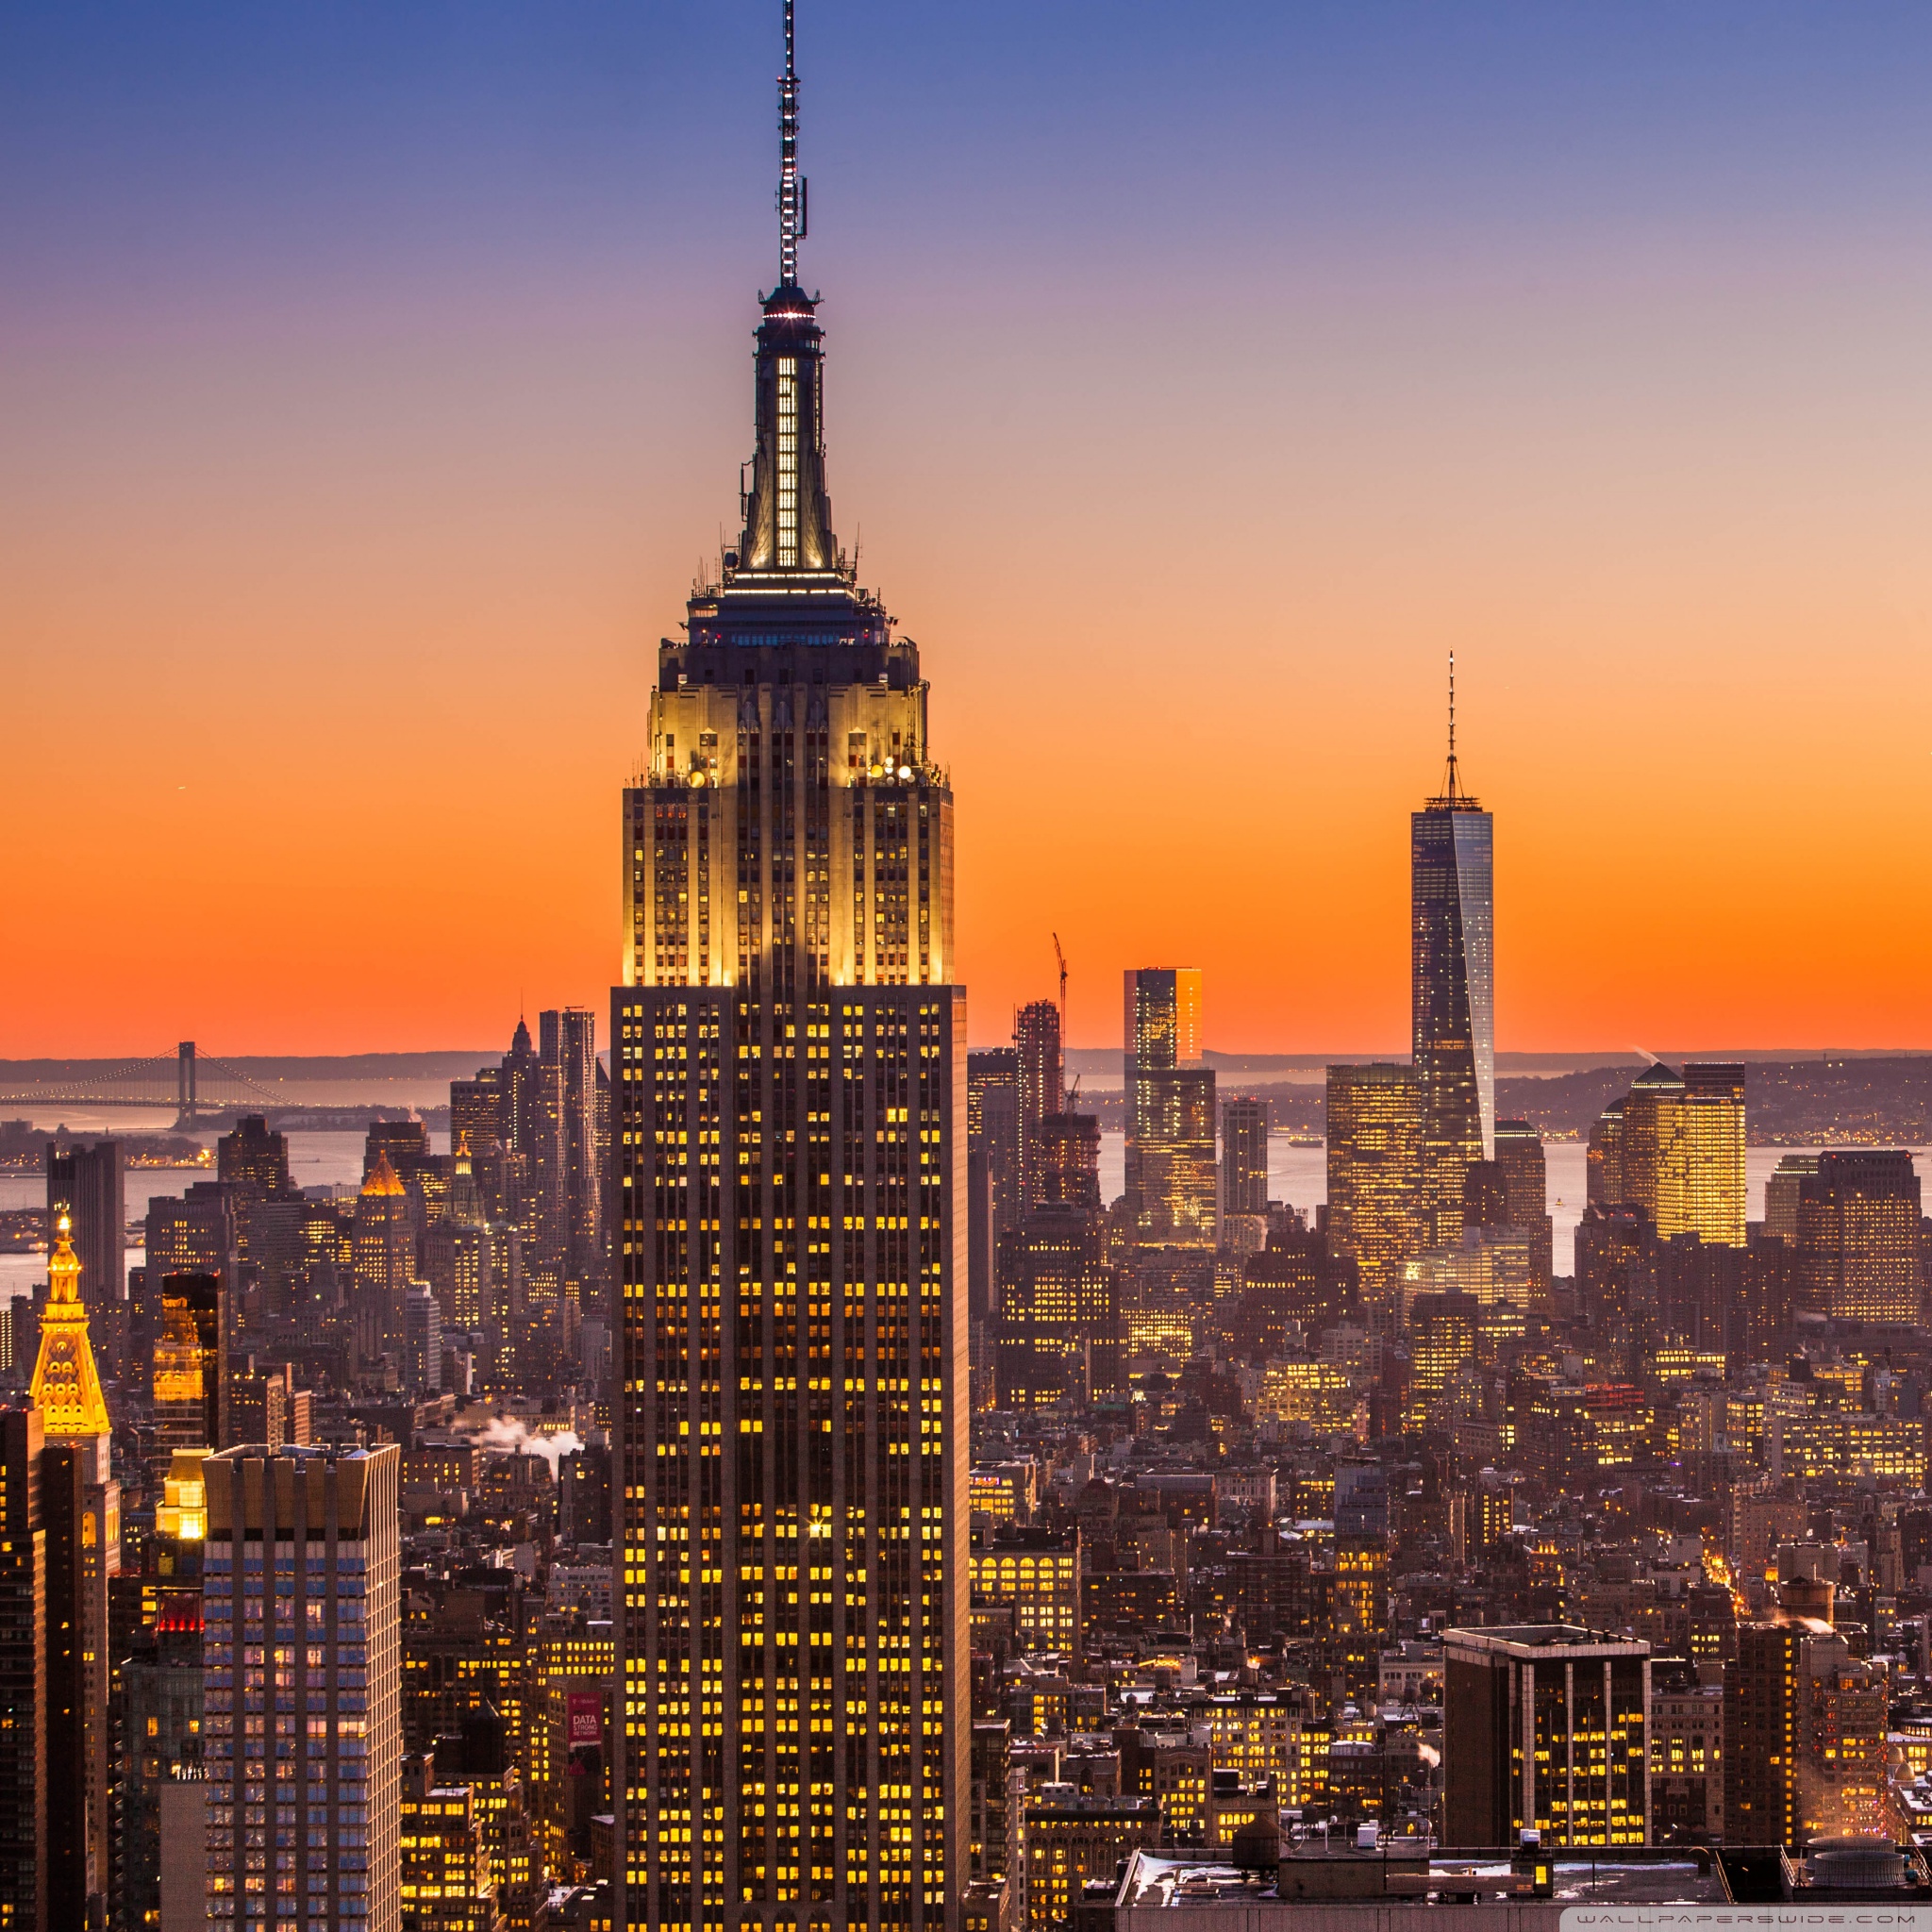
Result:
791,209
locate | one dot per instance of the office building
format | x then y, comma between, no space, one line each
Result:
993,1166
161,1867
567,1176
1057,1332
1526,1196
1452,960
789,1065
385,1264
1604,1160
191,1387
1376,1126
1682,1151
1804,1721
1245,1124
252,1157
1782,1190
194,1233
1546,1729
1041,1088
86,1185
1038,1573
1858,1235
1170,1108
302,1631
23,1680
446,1882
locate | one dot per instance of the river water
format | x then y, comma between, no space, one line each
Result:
1297,1174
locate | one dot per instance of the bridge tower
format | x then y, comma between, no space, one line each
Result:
186,1085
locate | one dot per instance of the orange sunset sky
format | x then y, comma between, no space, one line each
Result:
370,402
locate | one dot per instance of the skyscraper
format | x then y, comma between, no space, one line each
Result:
1042,1088
1526,1194
385,1266
86,1185
1858,1235
789,1072
992,1165
190,1366
301,1608
1452,953
1376,1124
80,1511
1170,1095
1682,1155
22,1674
1244,1168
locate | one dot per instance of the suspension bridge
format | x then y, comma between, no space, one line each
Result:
184,1080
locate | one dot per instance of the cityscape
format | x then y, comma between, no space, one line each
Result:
760,1453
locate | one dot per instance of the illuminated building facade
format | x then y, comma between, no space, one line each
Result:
789,1069
191,1365
1041,1076
1244,1156
1681,1158
385,1262
993,1166
1376,1125
1526,1196
24,1665
1858,1235
1058,1334
80,1509
1545,1729
301,1624
1037,1572
1452,953
1170,1108
445,1880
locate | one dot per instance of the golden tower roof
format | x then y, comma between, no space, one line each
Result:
382,1176
66,1385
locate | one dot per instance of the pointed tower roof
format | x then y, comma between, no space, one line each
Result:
66,1385
382,1176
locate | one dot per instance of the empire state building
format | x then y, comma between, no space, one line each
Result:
789,1063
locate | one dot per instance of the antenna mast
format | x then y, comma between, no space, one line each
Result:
1449,788
791,189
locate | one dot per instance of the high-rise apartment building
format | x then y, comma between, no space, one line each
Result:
789,1064
1170,1108
1545,1729
301,1608
1451,947
1041,1088
1376,1117
1858,1235
86,1185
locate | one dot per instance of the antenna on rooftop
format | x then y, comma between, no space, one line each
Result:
791,189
